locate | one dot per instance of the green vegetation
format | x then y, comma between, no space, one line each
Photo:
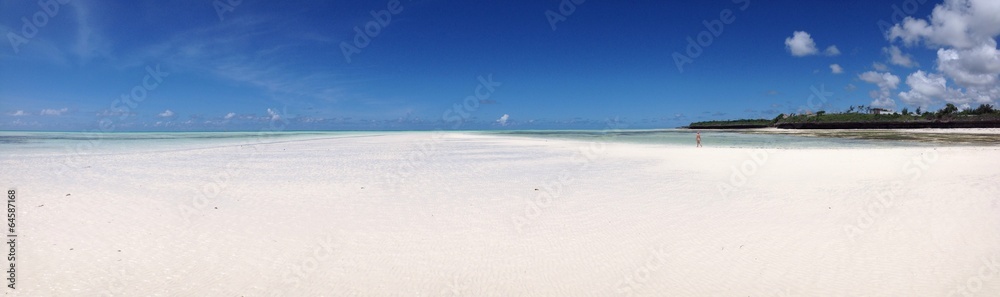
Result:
865,115
947,110
981,110
742,123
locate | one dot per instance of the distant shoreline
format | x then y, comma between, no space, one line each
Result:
859,125
985,116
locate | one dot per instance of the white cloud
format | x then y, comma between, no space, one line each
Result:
273,114
503,119
929,88
886,82
54,112
964,33
883,102
801,44
836,69
954,23
230,115
880,78
18,113
880,67
832,51
166,114
924,88
977,67
897,57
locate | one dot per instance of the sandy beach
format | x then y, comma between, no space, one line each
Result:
453,214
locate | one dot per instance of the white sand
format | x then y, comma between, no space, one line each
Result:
372,216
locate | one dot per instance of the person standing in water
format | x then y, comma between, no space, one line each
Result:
697,139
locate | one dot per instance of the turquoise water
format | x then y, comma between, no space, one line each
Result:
97,143
81,142
720,138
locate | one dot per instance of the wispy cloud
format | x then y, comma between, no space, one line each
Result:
89,42
54,112
231,50
274,115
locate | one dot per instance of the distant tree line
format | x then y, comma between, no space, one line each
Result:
863,114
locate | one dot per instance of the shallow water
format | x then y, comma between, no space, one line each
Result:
744,138
109,143
87,143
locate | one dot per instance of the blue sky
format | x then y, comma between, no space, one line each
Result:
234,65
